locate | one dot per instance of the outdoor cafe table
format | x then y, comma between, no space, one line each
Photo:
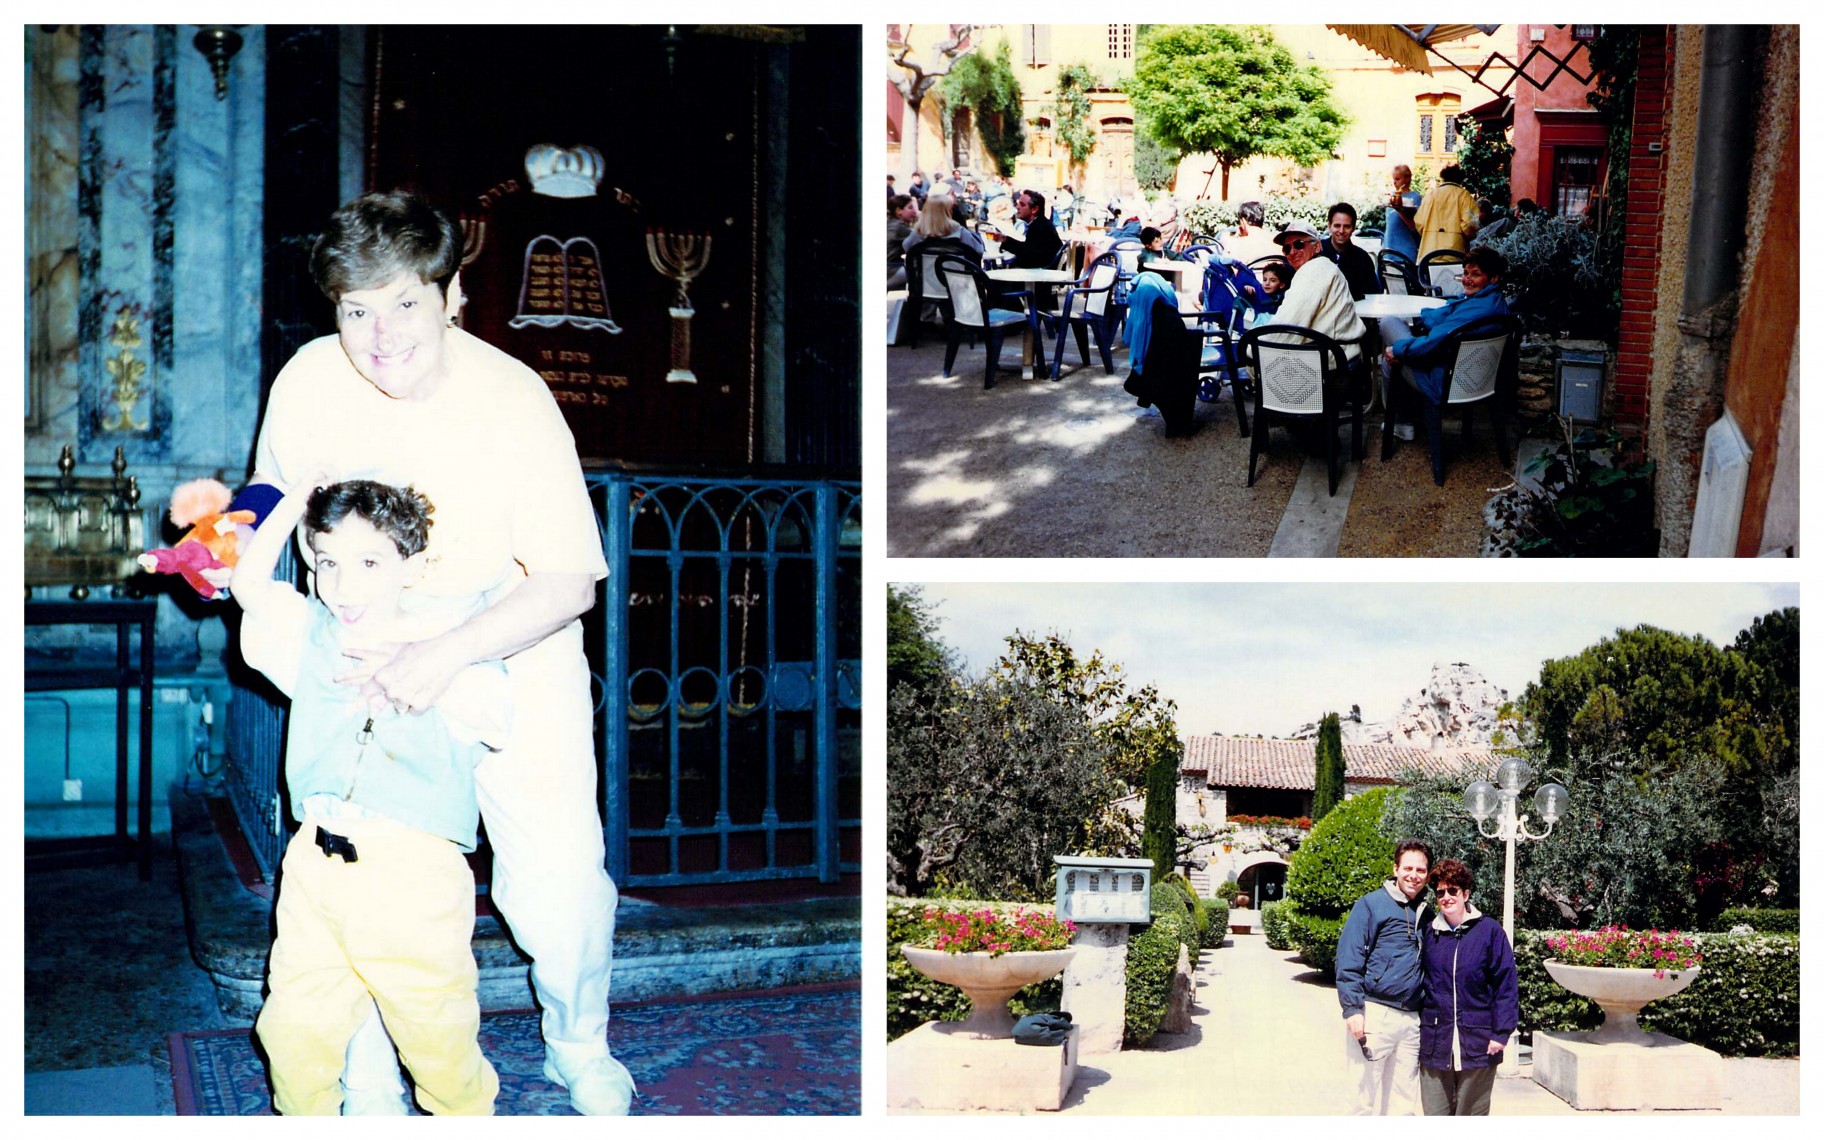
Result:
1377,305
1189,275
1405,306
1038,279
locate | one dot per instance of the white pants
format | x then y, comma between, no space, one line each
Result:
1387,1085
538,800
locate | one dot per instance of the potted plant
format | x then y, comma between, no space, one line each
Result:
991,956
1622,970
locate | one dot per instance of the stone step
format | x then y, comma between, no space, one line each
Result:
659,951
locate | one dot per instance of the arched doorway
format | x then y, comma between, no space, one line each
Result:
1262,878
1114,158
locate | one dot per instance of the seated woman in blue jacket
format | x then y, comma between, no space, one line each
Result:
1483,269
1472,999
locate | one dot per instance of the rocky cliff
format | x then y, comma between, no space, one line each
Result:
1459,706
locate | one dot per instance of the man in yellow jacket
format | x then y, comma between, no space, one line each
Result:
1447,219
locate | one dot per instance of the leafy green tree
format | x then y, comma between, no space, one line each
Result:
1330,779
984,786
1484,156
988,87
1235,92
1160,823
914,654
1070,111
1645,699
1135,725
1155,164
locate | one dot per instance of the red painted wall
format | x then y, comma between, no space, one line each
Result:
1532,165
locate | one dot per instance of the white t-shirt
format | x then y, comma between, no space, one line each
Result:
489,448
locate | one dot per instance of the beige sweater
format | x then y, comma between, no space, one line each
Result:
1319,299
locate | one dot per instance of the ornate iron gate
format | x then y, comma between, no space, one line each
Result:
733,621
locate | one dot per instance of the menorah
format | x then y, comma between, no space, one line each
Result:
680,257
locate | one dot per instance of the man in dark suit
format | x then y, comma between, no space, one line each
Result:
1352,259
1039,248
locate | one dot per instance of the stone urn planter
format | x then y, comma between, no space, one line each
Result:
989,980
1621,992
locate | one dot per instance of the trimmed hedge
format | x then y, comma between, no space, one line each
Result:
1744,1001
1314,936
1152,960
1273,924
1765,920
1345,857
1194,907
1219,923
913,999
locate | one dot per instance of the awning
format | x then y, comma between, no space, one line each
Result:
1407,44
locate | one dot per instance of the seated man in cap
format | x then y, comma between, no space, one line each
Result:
1318,298
1482,271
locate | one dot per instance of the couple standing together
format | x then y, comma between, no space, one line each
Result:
1428,990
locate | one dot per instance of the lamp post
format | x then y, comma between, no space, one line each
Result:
1500,800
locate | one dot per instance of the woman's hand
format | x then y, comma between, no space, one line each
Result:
409,677
1496,1045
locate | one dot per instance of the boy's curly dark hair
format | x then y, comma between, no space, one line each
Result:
400,513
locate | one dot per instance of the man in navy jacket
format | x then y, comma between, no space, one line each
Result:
1039,248
1379,981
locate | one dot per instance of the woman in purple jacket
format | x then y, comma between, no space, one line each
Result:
1472,999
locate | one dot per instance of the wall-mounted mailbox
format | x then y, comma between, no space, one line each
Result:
1580,385
1092,889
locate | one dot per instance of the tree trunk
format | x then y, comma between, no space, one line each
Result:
1225,177
908,143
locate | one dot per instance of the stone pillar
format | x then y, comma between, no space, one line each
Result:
1095,986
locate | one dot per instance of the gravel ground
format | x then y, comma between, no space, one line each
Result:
1033,468
1397,511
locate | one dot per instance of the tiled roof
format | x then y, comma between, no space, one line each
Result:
1247,762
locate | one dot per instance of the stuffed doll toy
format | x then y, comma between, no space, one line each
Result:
211,543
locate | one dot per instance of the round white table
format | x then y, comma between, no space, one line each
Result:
1405,306
1189,275
1037,278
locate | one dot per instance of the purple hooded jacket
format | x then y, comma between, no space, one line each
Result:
1471,989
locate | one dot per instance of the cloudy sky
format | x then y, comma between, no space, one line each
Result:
1260,658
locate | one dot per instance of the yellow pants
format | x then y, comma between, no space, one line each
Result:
396,923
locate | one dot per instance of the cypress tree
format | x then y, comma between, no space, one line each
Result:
1159,825
1329,791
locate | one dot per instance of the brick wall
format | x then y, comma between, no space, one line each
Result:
1640,260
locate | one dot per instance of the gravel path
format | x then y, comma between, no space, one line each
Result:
1038,469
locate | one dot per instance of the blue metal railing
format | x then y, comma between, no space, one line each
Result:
731,744
732,616
254,774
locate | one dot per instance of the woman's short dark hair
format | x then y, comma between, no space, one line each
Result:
897,203
1453,873
1252,213
400,513
1341,208
1489,260
378,237
1406,845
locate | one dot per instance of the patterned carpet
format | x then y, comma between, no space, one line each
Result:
781,1052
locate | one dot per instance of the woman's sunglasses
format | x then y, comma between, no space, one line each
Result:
1464,891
